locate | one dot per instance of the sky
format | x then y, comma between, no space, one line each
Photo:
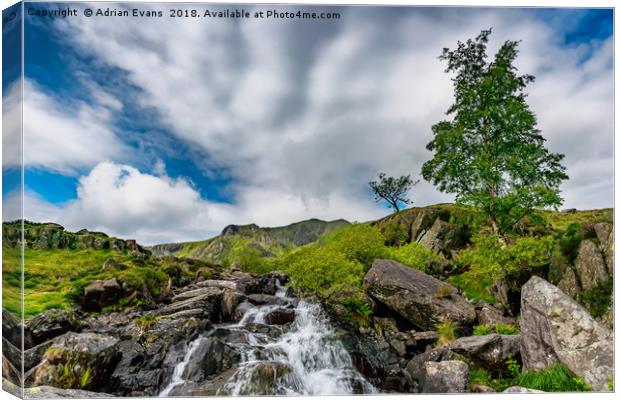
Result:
169,129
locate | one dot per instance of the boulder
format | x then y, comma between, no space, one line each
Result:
209,356
554,328
419,298
590,265
443,377
80,352
101,293
605,235
489,350
10,372
415,365
52,323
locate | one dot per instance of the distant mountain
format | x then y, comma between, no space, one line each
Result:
266,240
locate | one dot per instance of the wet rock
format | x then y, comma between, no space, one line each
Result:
101,293
555,328
34,355
280,316
135,375
12,354
211,357
50,392
210,387
416,296
263,299
241,310
443,377
52,323
10,372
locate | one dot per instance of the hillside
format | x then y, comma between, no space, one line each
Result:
268,241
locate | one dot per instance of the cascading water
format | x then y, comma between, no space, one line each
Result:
306,360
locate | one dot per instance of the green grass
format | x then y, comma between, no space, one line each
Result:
54,278
557,378
446,332
561,221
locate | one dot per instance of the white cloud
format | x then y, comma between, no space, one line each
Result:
59,136
304,117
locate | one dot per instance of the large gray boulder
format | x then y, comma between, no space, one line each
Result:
52,323
102,293
554,328
443,377
416,296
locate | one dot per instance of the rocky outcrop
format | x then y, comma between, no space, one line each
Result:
555,329
590,265
417,297
443,377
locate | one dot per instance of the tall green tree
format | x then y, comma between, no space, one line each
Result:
491,155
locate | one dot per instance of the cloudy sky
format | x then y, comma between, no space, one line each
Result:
169,129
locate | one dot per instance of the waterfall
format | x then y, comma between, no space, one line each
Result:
307,359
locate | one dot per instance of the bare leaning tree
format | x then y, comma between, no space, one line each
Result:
393,190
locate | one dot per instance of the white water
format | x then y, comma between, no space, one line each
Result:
180,368
307,360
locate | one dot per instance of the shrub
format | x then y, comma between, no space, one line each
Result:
480,376
249,259
481,330
414,255
446,333
557,378
488,259
322,271
597,299
357,242
136,278
569,241
395,234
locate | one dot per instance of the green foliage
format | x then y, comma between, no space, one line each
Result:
137,278
395,234
488,259
392,190
249,259
357,242
506,329
145,321
323,271
474,286
413,255
597,299
446,332
482,330
557,378
491,155
513,367
86,378
569,241
358,311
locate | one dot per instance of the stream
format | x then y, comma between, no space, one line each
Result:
305,359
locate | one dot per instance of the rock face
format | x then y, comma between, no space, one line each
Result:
556,329
444,377
417,297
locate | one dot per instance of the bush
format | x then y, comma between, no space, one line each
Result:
137,278
557,378
145,321
414,255
487,259
357,242
446,333
249,259
322,271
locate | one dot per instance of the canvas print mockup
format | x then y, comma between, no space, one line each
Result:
234,200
